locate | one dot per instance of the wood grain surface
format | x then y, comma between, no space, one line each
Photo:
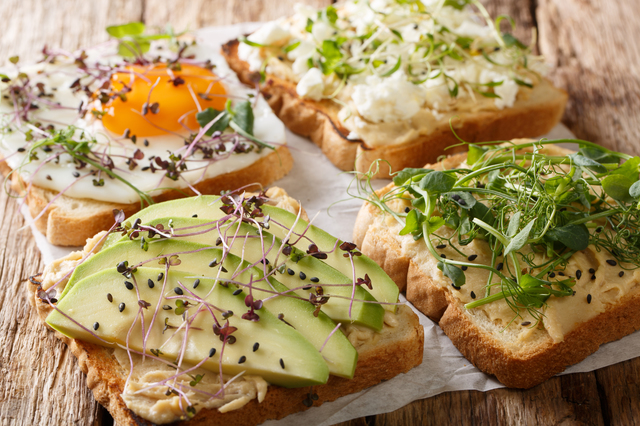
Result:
595,55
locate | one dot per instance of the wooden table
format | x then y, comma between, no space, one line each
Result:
593,46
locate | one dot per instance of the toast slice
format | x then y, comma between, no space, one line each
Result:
394,350
531,115
490,346
69,221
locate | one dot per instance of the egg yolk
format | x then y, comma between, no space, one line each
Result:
178,93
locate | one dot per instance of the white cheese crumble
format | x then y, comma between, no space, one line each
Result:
311,85
388,99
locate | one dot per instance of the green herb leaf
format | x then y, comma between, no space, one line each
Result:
514,224
475,153
599,155
510,40
331,14
332,55
617,187
291,46
404,175
482,212
454,273
576,237
457,4
522,83
520,239
395,68
243,116
130,29
634,191
132,48
249,42
437,182
309,27
629,169
210,114
14,59
581,160
434,223
413,222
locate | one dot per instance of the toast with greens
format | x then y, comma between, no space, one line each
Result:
397,80
526,254
229,309
137,120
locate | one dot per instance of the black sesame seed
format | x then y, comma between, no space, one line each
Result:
213,263
407,209
129,285
306,287
242,359
578,274
442,255
464,268
121,267
194,215
281,363
315,279
212,352
552,274
160,276
290,271
237,292
525,323
499,267
462,202
264,261
49,177
256,345
146,142
593,277
302,275
178,290
472,257
620,274
151,283
96,325
121,306
455,286
110,297
441,246
612,262
588,298
561,274
167,307
76,174
473,295
592,271
196,283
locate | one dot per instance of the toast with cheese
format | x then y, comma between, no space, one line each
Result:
395,349
358,106
600,303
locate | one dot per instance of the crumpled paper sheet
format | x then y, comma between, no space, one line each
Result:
322,190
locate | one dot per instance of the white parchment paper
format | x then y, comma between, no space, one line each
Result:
318,185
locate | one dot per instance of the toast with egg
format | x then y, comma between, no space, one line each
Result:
394,350
356,123
518,352
137,135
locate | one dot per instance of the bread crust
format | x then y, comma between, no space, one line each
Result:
522,368
318,120
396,351
70,221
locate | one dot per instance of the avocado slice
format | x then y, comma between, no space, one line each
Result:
205,206
337,351
283,356
304,268
384,289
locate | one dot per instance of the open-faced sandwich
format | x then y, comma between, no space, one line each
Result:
134,120
392,79
225,310
526,254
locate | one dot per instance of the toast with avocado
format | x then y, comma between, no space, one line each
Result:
229,309
399,81
525,254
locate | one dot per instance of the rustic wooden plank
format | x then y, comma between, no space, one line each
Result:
596,57
68,24
619,391
202,13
